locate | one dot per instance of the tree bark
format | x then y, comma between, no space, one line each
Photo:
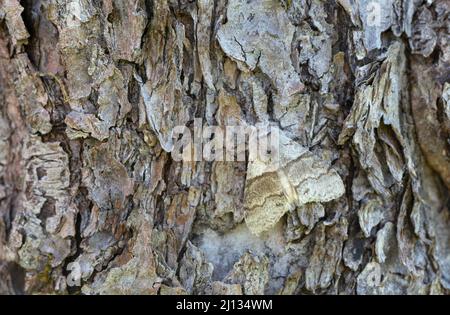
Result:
92,200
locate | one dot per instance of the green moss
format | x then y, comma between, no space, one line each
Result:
288,3
45,275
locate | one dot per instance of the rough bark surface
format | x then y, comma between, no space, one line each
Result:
92,202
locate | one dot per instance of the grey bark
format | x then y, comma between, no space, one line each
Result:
92,201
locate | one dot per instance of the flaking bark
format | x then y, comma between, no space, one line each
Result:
92,202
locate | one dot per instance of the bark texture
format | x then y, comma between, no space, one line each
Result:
92,202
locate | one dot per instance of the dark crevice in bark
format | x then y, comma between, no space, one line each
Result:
31,18
71,259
